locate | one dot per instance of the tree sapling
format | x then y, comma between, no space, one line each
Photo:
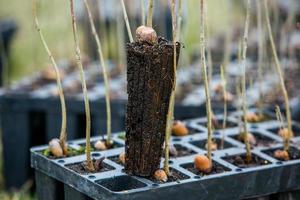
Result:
108,142
58,147
170,114
288,130
204,163
89,162
244,98
281,154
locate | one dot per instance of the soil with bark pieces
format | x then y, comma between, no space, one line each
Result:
261,141
175,176
216,169
99,166
294,153
240,161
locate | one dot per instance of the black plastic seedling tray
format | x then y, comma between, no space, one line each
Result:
55,179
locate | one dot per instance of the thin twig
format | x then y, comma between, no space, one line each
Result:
150,13
89,161
244,44
105,73
127,21
205,78
170,114
260,35
281,78
63,131
224,84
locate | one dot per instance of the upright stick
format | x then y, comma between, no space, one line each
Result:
127,21
281,79
244,44
90,165
105,74
224,86
63,131
170,114
260,55
205,78
150,13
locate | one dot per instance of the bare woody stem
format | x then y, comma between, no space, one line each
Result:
260,56
63,131
127,21
170,114
90,164
244,53
224,84
281,78
104,70
205,78
150,13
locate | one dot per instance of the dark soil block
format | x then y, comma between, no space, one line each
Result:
261,140
216,169
201,143
240,161
218,124
193,131
100,166
175,176
294,153
296,130
150,78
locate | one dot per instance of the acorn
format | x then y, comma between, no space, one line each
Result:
214,146
228,97
281,155
99,145
284,133
160,175
50,74
146,34
218,88
251,139
55,148
122,158
179,128
202,163
173,151
252,117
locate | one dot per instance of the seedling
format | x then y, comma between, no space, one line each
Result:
281,78
105,73
57,147
281,154
127,21
224,84
206,163
170,114
260,35
89,162
244,100
150,13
